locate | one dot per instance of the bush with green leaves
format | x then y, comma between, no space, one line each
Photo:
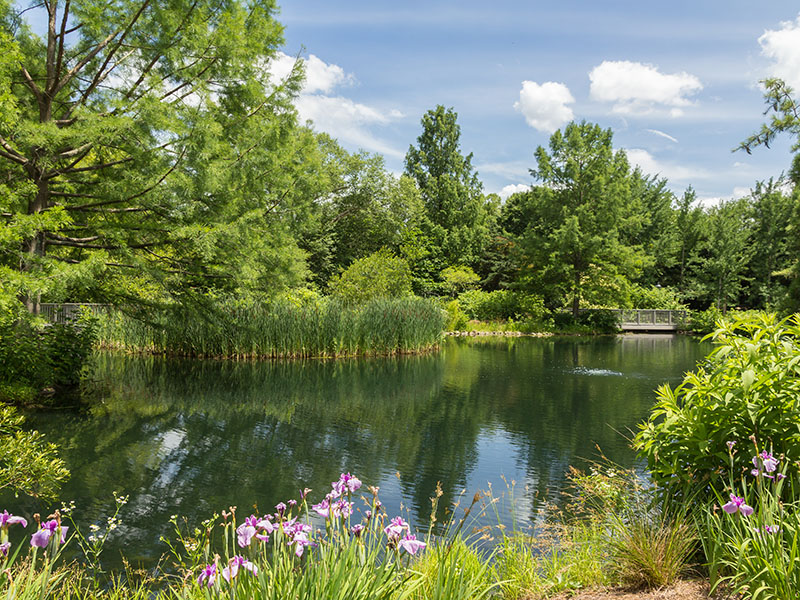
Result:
379,275
599,320
459,279
749,385
28,464
35,356
501,305
655,297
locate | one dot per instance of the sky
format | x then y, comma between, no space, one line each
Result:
677,82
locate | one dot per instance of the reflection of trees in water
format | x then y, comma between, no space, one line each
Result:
193,436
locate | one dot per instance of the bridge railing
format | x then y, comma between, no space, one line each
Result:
643,317
64,313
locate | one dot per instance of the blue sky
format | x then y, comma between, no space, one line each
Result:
676,81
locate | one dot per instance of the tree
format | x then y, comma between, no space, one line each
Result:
689,229
726,252
572,242
456,224
784,111
148,141
770,242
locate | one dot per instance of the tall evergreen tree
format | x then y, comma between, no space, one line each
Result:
456,224
148,138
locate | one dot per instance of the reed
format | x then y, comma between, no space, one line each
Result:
324,328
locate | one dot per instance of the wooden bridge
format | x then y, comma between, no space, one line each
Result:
645,319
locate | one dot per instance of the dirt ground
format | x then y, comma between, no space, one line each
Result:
683,590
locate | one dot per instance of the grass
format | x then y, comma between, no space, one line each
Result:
281,329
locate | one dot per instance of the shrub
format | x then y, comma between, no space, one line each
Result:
35,357
28,464
456,318
501,305
655,297
379,275
459,279
749,384
600,320
704,322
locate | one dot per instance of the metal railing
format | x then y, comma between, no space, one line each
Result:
64,313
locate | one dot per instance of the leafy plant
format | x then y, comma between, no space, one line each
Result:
379,275
600,320
748,385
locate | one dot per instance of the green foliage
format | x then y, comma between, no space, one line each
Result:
599,320
704,321
655,297
459,279
749,385
313,327
379,275
28,464
456,318
754,555
501,305
35,357
573,240
455,227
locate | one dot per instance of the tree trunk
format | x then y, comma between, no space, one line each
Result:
576,298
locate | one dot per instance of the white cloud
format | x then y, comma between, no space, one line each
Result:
662,134
348,121
513,189
637,88
673,172
545,106
783,47
517,169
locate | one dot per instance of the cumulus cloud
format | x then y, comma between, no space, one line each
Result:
673,172
348,121
636,88
545,105
513,189
783,47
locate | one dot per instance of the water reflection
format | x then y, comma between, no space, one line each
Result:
192,437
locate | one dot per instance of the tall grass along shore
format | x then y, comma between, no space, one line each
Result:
280,329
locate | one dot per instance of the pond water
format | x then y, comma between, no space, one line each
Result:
191,437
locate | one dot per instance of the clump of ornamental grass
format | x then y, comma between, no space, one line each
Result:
750,536
281,328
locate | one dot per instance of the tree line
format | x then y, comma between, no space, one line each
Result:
148,154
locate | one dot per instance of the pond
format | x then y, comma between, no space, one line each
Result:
192,437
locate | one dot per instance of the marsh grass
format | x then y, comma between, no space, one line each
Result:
280,329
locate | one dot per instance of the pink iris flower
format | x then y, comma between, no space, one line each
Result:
737,504
411,544
209,575
41,538
232,570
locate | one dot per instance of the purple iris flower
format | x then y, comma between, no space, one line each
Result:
395,529
281,508
357,529
265,527
730,445
772,529
6,520
4,547
342,508
232,570
766,459
246,531
323,509
737,504
411,544
209,575
41,538
300,541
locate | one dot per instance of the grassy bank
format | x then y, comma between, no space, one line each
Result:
344,545
279,329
